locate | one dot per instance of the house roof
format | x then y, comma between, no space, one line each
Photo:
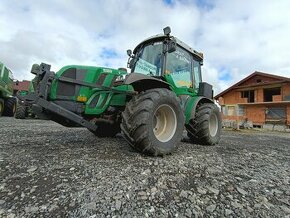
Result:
256,73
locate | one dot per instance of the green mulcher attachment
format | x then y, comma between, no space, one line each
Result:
76,95
7,101
151,106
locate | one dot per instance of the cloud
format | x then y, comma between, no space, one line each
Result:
244,37
236,37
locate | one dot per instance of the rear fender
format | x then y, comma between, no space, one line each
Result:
191,105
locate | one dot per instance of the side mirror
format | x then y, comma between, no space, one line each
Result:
171,46
131,62
129,52
167,31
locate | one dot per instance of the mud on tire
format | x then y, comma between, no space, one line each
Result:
205,127
153,122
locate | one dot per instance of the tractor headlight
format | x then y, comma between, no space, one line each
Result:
81,98
120,78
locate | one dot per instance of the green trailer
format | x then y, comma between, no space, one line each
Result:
7,101
151,106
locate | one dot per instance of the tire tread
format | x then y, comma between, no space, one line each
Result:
135,118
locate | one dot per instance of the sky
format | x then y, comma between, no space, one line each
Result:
237,37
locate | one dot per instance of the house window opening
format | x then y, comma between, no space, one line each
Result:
268,93
231,111
249,94
241,111
276,115
224,110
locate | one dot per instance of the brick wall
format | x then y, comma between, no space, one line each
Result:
259,95
234,97
288,115
286,91
256,114
221,101
230,98
277,98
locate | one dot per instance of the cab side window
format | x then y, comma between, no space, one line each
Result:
197,73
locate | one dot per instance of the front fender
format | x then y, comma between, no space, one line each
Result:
141,82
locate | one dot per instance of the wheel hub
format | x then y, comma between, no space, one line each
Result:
213,125
164,122
14,108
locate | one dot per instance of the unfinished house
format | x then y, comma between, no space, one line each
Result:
21,86
260,100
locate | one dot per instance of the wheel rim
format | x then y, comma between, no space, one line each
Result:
164,122
213,125
14,108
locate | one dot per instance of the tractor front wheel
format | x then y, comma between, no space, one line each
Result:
205,127
153,122
10,107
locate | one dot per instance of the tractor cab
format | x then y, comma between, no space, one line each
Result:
166,57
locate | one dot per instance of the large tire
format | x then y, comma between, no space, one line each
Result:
10,107
153,122
21,111
205,127
1,106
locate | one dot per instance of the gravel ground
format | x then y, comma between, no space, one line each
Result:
51,171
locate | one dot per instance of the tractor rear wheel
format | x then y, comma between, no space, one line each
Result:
1,106
21,111
10,107
205,127
153,122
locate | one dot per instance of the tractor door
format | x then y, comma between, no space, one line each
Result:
182,71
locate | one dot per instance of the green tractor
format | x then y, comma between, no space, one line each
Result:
7,101
152,106
24,109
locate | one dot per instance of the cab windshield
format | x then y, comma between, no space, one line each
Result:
149,59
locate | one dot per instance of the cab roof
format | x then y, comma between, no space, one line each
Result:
161,37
